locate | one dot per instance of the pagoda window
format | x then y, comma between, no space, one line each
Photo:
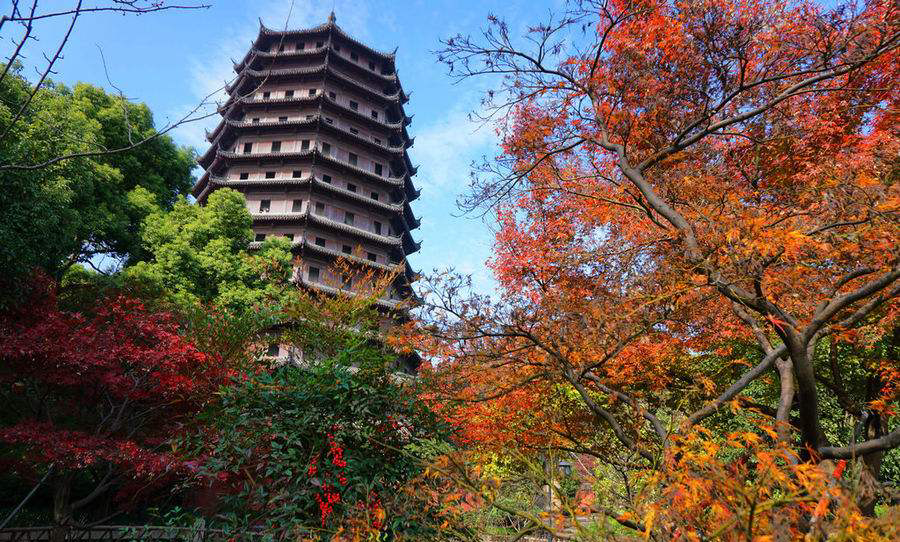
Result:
376,140
351,187
313,274
377,225
348,218
346,249
255,120
260,237
320,241
374,114
244,176
373,257
296,174
354,131
326,149
301,45
265,205
272,351
379,169
276,146
337,48
354,56
290,236
281,48
248,148
354,159
371,65
326,178
312,92
329,120
266,95
282,119
304,145
319,44
375,196
288,93
320,208
270,175
347,280
354,105
297,206
332,95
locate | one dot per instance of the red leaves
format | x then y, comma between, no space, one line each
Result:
122,350
107,385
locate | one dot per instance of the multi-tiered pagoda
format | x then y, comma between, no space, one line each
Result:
314,135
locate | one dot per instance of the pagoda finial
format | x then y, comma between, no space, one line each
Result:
332,18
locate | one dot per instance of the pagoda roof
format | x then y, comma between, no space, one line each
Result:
232,104
201,186
314,118
405,213
247,73
401,268
392,304
256,53
386,240
329,26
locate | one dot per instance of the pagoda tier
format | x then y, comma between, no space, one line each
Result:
314,135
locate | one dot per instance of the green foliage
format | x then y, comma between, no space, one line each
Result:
275,437
199,255
54,216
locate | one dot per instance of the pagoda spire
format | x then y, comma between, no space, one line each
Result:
332,18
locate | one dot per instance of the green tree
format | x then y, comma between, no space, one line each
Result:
327,445
199,254
53,216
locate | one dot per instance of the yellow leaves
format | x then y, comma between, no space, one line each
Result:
864,180
649,518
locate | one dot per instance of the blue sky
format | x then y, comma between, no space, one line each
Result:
171,60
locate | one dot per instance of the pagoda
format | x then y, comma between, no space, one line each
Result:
314,135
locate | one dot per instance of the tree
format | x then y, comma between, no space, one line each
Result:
325,447
25,17
682,179
92,398
200,255
68,212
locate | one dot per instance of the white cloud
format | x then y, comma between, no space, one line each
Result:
446,148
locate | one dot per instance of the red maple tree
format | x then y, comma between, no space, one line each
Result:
92,397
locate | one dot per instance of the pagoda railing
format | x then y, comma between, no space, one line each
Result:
298,53
391,268
303,70
392,207
259,53
330,223
312,120
386,303
253,100
395,181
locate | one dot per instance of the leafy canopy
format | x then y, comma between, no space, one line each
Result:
199,254
54,216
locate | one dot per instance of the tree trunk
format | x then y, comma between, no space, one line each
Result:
870,477
781,523
62,509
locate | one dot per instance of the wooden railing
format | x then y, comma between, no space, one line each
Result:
122,533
